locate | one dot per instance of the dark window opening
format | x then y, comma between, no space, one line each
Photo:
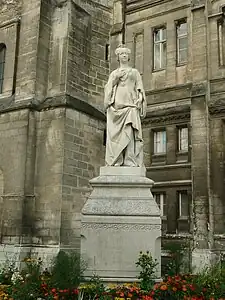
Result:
2,65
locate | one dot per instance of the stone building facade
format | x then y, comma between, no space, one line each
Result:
179,48
53,67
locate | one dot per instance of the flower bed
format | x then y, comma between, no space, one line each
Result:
64,283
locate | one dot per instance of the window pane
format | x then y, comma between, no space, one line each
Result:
183,56
163,55
182,29
160,142
163,33
182,43
157,35
2,63
221,40
183,139
157,199
183,204
157,56
164,207
161,202
1,70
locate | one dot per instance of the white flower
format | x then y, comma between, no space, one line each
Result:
16,276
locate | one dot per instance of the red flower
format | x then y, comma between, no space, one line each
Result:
76,291
163,287
184,289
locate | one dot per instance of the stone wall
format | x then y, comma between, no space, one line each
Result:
13,136
83,156
52,136
90,23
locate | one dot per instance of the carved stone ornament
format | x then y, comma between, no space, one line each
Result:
121,227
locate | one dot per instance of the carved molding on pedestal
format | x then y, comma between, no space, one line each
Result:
121,226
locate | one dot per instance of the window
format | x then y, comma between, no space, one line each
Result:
182,42
221,41
107,52
183,139
159,48
2,65
183,205
160,199
160,142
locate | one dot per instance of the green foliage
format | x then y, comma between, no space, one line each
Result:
26,284
6,272
92,289
212,280
67,270
177,252
147,265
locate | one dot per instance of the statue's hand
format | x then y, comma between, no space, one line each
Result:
118,76
138,103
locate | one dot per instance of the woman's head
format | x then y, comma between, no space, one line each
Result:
123,53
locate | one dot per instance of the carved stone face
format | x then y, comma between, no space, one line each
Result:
123,57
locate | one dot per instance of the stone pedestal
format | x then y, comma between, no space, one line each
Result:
203,258
120,219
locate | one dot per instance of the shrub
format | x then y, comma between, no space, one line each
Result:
67,270
147,272
177,252
27,283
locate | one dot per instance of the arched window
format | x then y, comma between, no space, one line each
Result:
2,65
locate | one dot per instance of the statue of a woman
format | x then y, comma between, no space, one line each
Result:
125,103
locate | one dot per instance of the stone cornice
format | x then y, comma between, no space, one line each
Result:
138,5
10,22
169,115
217,110
9,104
146,6
169,89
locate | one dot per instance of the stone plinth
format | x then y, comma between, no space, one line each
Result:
120,219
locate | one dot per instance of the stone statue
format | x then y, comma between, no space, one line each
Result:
125,103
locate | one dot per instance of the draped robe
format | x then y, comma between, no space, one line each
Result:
123,115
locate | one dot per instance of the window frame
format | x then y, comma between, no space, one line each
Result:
161,42
179,197
163,204
221,41
155,133
2,65
178,38
179,138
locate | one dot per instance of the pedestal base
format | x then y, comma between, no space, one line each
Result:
120,219
203,258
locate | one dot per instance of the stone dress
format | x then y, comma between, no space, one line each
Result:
124,143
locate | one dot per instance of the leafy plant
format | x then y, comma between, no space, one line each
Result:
7,271
67,270
177,252
27,283
92,289
147,273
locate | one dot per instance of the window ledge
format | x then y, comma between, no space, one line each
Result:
182,152
5,95
181,64
183,218
158,70
158,155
